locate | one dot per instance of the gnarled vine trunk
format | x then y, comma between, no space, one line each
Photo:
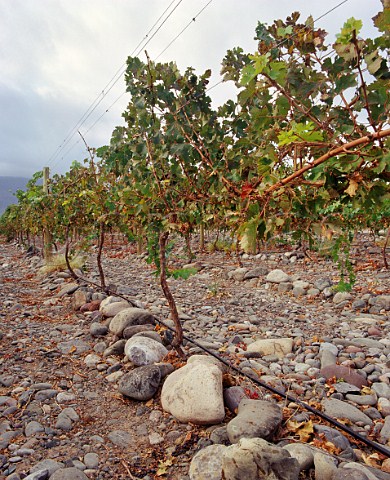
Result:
178,340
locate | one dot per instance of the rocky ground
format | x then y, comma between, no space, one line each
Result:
67,375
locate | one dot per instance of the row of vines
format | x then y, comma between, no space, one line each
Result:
303,149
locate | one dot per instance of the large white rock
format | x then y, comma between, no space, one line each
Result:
277,276
112,309
194,393
129,316
206,359
272,346
108,300
144,350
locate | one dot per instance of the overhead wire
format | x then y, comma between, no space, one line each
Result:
136,54
114,79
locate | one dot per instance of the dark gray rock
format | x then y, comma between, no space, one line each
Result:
98,329
121,438
75,346
255,418
256,273
50,465
71,473
116,348
141,383
232,397
43,395
33,428
7,380
40,475
128,332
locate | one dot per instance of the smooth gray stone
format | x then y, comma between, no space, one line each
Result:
121,438
207,463
371,473
339,409
128,332
334,436
219,436
256,273
255,418
43,395
41,386
381,389
91,460
72,347
328,358
98,329
116,348
40,475
50,465
71,473
32,428
345,474
367,342
345,388
302,453
277,276
232,397
362,399
384,435
324,465
7,380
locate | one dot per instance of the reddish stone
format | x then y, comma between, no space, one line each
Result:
91,306
352,349
349,375
375,332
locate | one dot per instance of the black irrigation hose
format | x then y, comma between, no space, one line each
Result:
302,404
375,446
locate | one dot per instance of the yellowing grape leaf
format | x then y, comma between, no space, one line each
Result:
163,467
304,430
352,187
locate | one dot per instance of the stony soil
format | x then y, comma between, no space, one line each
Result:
109,436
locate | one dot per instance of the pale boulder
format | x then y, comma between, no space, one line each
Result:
194,393
144,351
272,346
277,276
207,463
112,309
255,458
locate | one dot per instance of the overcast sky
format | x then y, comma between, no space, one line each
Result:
57,56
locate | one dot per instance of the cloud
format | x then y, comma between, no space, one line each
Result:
57,56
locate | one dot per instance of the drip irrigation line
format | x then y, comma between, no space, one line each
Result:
370,443
385,451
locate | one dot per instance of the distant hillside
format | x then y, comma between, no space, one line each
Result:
8,186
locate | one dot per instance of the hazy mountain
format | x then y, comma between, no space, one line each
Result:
8,186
